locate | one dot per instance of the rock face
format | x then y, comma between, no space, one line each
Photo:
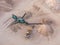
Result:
7,5
54,5
39,10
45,30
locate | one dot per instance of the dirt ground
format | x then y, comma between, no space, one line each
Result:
41,9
